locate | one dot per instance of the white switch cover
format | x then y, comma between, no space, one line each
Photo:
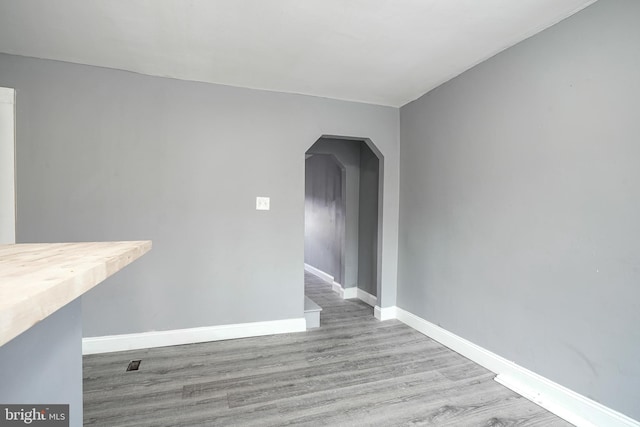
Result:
262,203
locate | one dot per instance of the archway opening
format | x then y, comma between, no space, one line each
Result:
343,215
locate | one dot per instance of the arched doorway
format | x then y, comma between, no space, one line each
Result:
343,215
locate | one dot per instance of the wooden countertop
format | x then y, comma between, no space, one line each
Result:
37,279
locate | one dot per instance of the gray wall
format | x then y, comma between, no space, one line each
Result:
43,365
325,211
520,213
348,154
108,155
368,221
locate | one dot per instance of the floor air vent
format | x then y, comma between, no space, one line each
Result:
134,365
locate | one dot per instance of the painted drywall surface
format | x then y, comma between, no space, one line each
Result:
348,154
43,365
7,170
324,227
111,155
368,221
519,205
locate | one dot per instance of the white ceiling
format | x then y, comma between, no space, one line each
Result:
386,52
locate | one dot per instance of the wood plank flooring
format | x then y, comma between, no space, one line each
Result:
352,371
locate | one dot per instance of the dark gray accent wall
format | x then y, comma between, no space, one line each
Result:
348,154
110,155
519,225
43,365
325,212
368,221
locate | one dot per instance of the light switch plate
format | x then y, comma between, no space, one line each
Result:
262,203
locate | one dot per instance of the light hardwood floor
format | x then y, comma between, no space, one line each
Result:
352,371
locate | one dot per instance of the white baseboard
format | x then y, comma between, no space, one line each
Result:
337,288
350,293
386,313
367,297
345,293
567,404
321,274
108,344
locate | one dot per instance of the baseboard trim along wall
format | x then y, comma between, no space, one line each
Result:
321,274
367,298
567,404
385,313
337,288
350,293
109,344
345,293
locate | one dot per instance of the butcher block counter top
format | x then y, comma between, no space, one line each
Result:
36,279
